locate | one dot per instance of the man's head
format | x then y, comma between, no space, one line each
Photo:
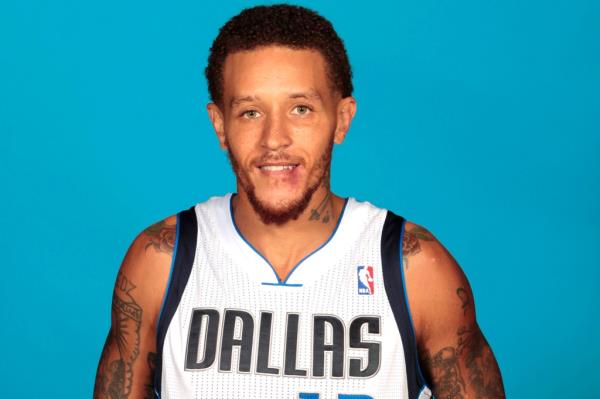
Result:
281,87
284,25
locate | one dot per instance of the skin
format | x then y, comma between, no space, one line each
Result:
279,101
454,354
128,359
280,109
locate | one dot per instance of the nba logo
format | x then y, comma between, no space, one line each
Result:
366,284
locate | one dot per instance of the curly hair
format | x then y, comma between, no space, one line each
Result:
281,24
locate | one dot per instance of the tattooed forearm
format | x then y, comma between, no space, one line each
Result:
470,367
151,359
322,210
128,315
444,373
464,298
162,237
410,242
482,371
101,373
467,370
115,376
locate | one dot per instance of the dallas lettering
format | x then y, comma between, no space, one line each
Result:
246,344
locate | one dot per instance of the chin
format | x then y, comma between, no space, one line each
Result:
278,199
279,202
280,207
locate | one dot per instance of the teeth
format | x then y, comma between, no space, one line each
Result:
277,168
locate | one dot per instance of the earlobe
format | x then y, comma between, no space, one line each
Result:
346,111
216,119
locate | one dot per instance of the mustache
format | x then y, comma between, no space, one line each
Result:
277,157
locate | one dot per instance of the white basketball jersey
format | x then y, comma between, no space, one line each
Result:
338,327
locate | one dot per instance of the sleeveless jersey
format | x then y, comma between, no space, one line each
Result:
338,327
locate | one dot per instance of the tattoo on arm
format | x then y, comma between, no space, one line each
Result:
410,242
114,378
444,373
464,298
162,237
151,359
470,366
323,209
100,386
482,370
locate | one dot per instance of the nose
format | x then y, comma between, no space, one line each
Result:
275,133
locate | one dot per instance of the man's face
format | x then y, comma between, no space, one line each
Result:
278,122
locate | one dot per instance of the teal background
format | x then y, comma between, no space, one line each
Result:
476,119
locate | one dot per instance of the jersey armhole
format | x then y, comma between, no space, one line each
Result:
420,374
392,236
168,286
184,252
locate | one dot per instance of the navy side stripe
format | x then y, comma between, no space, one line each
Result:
420,376
181,267
391,252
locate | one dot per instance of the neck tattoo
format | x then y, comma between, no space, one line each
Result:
322,210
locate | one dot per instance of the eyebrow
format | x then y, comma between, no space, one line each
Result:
240,100
309,95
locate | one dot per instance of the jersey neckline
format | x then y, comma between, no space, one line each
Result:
309,255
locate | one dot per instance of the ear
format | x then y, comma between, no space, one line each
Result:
345,113
217,120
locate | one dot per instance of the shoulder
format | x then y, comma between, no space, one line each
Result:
421,247
145,269
438,290
455,356
154,243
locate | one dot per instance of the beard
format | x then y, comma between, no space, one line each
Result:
288,211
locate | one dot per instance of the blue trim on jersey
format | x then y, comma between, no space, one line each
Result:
422,389
162,306
412,328
322,245
284,282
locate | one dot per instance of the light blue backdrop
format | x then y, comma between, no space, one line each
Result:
476,119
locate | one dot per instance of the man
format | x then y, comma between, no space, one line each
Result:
285,290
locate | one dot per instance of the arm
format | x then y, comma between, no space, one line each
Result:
454,355
127,363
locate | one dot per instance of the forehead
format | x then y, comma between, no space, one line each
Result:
274,69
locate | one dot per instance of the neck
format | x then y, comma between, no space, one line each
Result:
286,244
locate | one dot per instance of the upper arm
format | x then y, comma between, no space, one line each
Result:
127,361
455,357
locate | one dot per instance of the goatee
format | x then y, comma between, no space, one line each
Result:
292,210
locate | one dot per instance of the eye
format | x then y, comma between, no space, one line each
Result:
301,109
250,114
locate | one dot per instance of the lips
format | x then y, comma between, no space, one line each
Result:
280,171
277,167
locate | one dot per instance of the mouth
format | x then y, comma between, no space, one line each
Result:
281,171
278,167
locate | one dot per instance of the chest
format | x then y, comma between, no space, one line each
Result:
327,330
